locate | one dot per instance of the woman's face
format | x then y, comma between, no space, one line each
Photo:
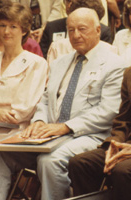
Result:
10,33
1,46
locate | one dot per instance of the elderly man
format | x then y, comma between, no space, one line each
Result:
57,29
82,98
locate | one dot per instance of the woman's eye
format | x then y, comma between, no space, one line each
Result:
2,25
13,26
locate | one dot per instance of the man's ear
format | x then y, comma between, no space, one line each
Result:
98,29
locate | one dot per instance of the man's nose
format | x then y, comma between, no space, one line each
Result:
76,34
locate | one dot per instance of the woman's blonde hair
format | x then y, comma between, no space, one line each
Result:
20,14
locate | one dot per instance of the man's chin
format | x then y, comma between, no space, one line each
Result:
78,47
80,51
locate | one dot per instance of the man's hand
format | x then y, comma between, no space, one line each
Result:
116,153
41,130
7,116
32,130
117,22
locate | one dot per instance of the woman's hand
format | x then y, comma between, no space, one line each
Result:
7,116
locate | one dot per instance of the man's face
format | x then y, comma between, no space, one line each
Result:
82,32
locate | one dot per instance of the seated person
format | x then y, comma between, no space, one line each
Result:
82,94
23,74
57,29
112,159
122,39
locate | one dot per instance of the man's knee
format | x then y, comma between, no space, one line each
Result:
73,162
122,170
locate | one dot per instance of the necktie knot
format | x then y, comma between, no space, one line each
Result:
81,58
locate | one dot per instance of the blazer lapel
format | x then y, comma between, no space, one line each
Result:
18,65
91,71
63,65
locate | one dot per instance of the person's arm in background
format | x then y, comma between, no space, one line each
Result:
50,10
113,8
45,40
55,12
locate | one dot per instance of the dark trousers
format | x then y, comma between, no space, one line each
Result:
86,173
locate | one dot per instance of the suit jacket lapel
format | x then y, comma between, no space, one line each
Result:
61,70
91,71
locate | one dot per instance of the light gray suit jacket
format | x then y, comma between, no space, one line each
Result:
97,97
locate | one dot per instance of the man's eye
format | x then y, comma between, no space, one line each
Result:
70,30
82,29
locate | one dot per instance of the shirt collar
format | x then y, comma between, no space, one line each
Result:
89,54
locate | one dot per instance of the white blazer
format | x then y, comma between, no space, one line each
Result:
122,40
97,95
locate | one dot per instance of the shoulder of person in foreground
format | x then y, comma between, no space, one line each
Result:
122,34
34,57
107,53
